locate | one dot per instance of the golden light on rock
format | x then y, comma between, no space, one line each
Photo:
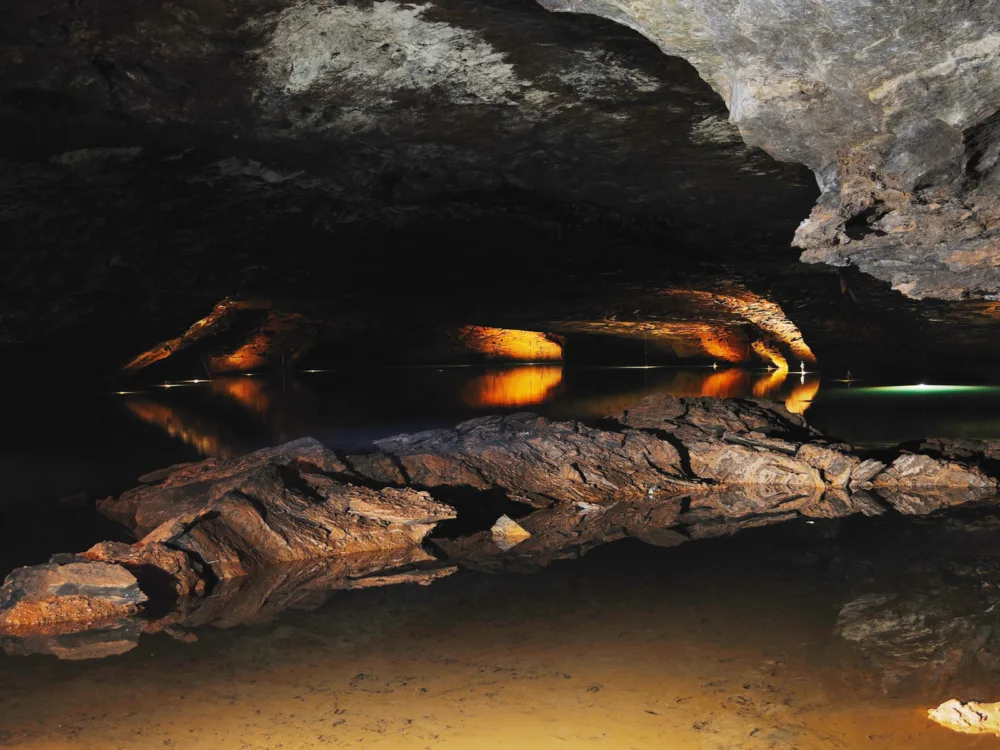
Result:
722,342
742,305
255,335
768,316
770,353
217,320
511,344
516,386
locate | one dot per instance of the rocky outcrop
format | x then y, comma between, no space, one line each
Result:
301,518
65,596
271,507
968,718
894,107
535,461
213,521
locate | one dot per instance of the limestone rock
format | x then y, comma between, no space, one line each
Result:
901,134
157,567
538,460
76,595
911,471
970,718
178,490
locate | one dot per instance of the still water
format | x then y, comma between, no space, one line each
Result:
718,644
61,450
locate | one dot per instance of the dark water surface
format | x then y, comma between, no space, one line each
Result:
732,643
61,449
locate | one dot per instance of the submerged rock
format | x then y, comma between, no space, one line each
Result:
57,597
971,717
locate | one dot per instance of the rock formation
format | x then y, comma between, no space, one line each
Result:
969,718
300,517
66,596
895,109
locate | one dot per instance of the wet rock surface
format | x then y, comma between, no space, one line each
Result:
66,596
273,506
280,524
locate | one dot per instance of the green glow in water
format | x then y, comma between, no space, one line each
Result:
927,389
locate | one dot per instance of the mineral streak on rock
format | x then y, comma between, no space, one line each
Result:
970,718
893,106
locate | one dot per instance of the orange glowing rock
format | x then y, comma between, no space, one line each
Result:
765,315
517,386
255,335
219,319
506,343
769,353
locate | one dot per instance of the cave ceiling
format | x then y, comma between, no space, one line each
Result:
491,162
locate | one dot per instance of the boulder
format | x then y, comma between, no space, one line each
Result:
274,506
970,718
541,462
507,533
177,490
63,597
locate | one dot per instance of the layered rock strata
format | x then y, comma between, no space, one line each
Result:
666,470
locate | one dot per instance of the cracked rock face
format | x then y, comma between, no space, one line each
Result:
893,105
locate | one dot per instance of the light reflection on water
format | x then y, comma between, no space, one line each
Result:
724,644
313,404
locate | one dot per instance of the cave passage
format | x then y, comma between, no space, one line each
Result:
499,373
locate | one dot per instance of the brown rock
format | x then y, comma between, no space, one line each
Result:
156,566
59,598
273,506
269,523
540,461
507,533
662,411
175,491
912,471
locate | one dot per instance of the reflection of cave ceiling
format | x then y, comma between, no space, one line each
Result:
481,162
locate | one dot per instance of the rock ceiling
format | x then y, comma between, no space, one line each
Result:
161,157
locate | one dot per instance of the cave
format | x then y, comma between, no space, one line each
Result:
500,373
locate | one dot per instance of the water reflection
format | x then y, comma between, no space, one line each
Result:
232,415
772,640
518,386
